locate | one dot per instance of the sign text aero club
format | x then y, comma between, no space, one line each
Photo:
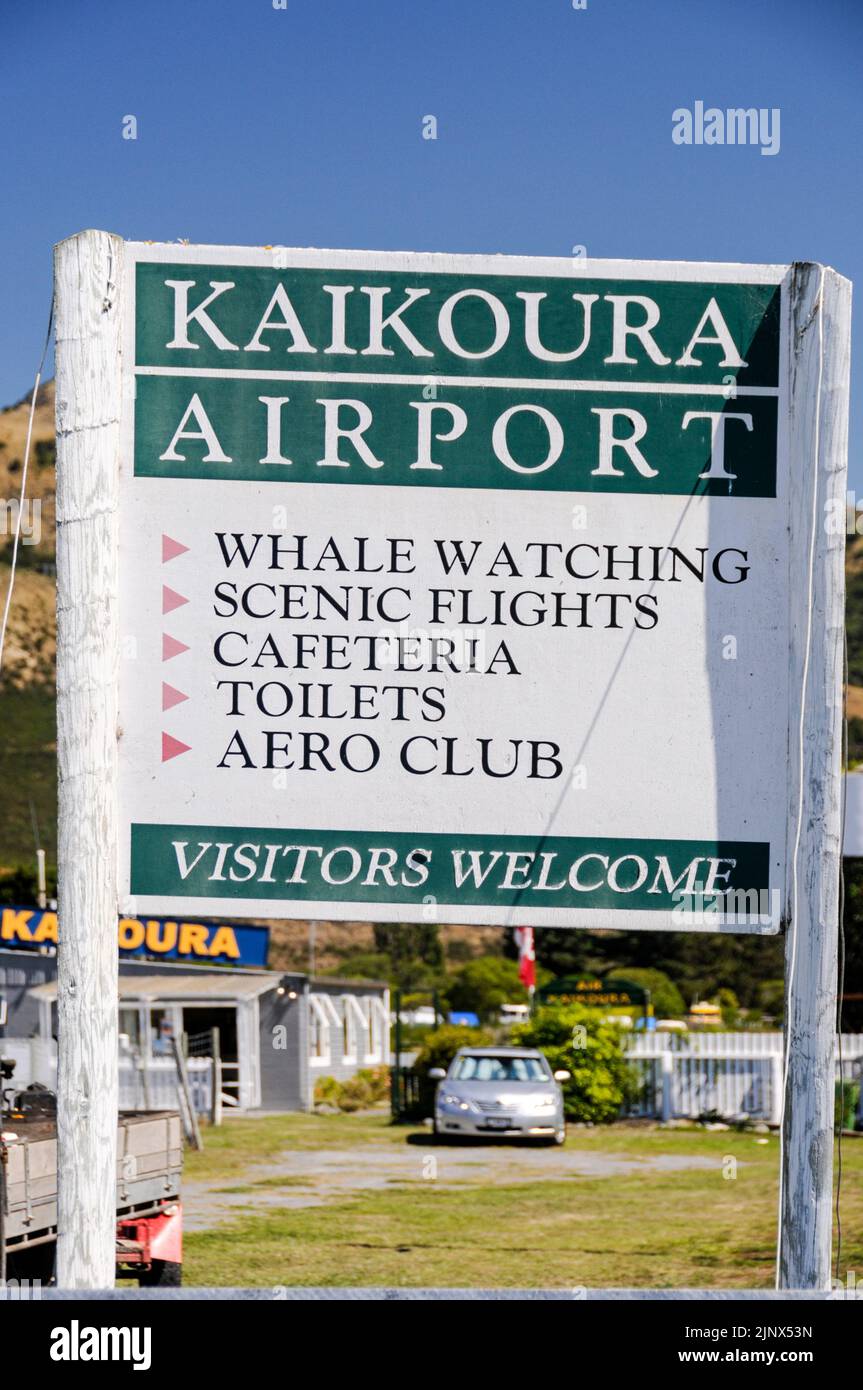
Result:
457,588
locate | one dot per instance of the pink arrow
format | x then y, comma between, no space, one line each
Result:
172,747
171,599
172,647
171,696
171,549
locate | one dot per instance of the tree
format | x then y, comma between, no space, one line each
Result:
415,953
562,951
665,998
363,965
698,963
481,986
771,999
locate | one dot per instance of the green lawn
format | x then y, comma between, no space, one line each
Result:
660,1229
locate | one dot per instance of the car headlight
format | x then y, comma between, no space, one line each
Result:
544,1103
455,1102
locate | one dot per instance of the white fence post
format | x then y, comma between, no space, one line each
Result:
667,1062
776,1074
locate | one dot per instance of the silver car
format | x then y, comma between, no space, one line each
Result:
504,1092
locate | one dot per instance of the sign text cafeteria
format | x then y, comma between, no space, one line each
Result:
149,936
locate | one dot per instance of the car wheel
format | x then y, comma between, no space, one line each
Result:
560,1137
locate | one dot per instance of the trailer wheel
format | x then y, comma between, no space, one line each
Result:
36,1263
164,1274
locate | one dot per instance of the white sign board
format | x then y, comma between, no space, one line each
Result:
457,588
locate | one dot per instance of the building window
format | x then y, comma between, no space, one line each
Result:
349,1030
360,1030
322,1017
130,1029
378,1031
318,1037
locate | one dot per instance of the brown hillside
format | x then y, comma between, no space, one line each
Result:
29,654
40,477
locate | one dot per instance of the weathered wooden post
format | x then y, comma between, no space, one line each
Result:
818,327
88,279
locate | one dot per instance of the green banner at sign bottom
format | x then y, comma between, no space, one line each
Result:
358,866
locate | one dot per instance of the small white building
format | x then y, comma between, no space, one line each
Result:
277,1033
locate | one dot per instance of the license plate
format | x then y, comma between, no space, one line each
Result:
499,1124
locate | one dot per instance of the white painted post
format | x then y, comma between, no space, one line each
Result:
818,324
88,280
667,1060
41,885
776,1074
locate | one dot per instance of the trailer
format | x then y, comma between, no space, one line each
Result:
149,1211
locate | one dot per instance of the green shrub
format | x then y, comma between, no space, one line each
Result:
728,1003
846,1104
441,1044
359,1092
355,1094
576,1039
327,1090
378,1081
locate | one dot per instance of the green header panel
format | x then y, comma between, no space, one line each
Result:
750,313
550,871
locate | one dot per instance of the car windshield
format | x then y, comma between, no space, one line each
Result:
470,1068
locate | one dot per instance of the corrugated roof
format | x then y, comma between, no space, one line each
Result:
229,986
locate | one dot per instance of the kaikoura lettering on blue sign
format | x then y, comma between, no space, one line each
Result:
215,942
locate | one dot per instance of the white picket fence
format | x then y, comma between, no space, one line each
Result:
150,1087
681,1075
156,1085
684,1075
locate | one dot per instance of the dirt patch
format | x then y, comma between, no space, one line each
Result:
312,1178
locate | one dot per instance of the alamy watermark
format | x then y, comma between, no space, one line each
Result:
736,125
22,517
753,906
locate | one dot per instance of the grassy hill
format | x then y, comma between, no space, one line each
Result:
27,746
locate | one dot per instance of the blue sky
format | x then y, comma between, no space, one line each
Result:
303,127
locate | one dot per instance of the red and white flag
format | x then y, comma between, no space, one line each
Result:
526,957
